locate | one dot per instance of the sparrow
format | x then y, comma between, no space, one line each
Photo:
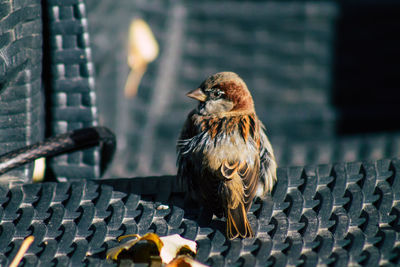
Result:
223,152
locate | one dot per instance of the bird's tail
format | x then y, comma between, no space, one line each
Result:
237,223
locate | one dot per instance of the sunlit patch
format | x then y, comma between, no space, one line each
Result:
143,49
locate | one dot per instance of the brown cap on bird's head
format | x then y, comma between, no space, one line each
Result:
232,85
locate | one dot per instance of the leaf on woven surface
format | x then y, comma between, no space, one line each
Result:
151,248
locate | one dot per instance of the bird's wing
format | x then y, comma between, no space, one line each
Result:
241,188
248,174
267,162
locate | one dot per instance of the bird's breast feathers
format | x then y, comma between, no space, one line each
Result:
227,139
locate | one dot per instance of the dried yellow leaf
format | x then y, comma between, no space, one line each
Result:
151,237
169,247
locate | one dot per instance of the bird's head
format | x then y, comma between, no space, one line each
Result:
223,92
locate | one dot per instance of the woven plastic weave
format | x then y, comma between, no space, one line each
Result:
21,98
336,215
70,88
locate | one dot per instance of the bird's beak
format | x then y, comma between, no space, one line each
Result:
197,94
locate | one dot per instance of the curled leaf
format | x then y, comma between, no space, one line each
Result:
173,244
152,239
150,246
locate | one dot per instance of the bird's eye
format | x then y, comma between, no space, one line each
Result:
216,94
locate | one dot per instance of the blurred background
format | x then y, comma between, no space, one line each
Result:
324,75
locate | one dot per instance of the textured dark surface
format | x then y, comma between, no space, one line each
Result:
21,98
336,215
69,83
312,67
